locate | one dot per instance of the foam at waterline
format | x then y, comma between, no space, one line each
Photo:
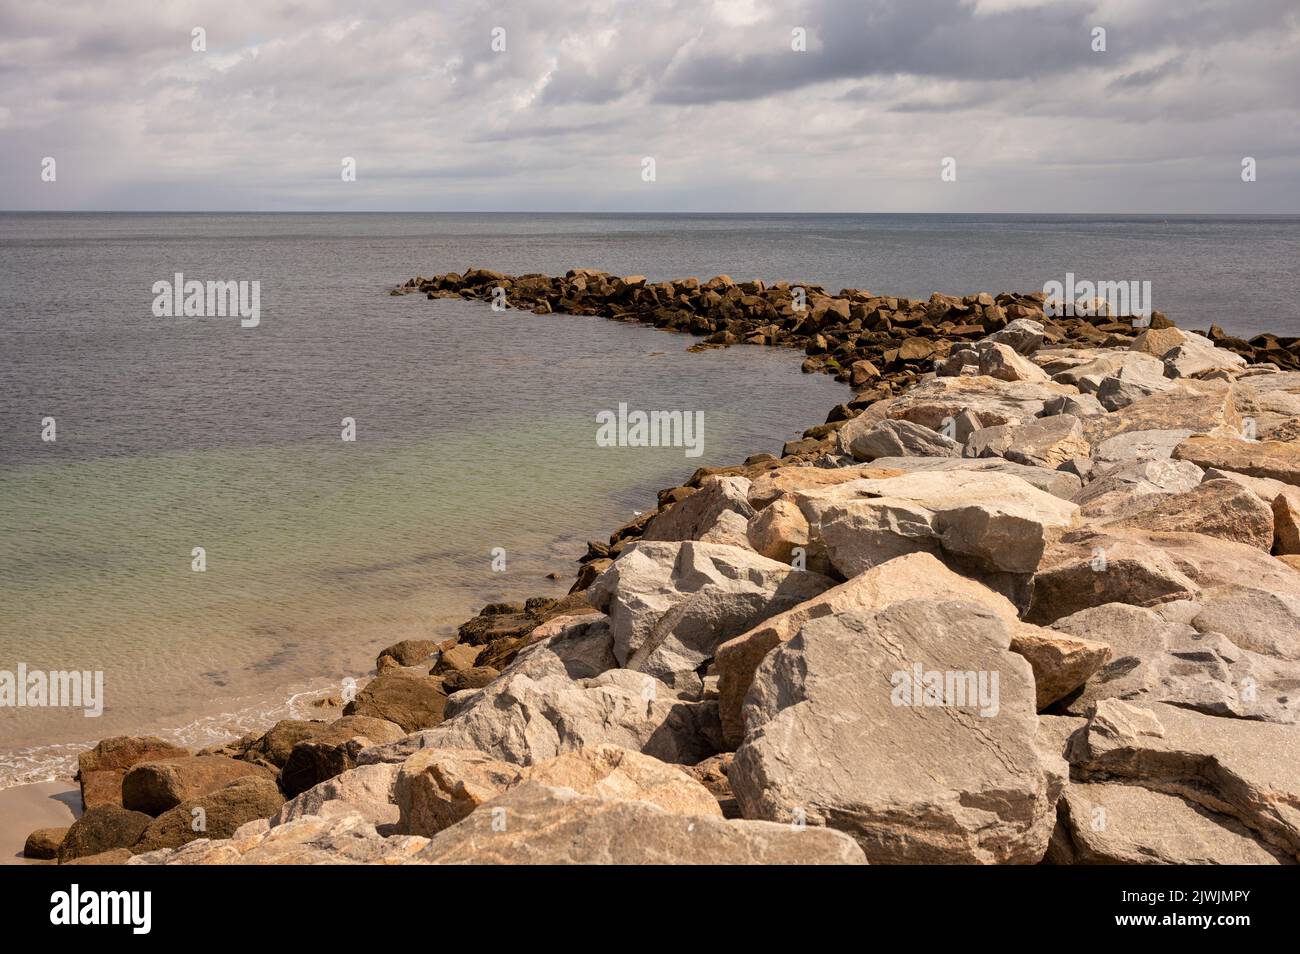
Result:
58,761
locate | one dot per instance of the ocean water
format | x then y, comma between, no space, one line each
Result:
475,430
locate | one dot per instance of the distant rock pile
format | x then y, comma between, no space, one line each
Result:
1032,597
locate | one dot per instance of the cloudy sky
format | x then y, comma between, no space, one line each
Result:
735,119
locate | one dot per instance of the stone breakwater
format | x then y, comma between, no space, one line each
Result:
1033,595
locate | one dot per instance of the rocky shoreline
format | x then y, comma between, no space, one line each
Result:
1031,596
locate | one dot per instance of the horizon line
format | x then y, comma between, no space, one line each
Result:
591,212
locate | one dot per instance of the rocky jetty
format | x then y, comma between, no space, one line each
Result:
1032,596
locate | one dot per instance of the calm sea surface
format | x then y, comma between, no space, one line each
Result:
475,430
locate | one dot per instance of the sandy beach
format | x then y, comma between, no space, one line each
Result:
25,808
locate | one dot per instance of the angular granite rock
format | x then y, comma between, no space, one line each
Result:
916,575
996,520
536,711
1103,823
777,530
890,438
1061,664
691,518
671,604
535,824
1054,482
831,736
436,788
1231,651
1043,442
1216,508
1249,770
310,840
365,790
1090,567
1277,460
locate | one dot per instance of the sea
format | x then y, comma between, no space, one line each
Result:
199,530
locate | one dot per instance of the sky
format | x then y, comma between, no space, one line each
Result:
437,116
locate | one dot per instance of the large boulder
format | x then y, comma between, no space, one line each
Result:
916,575
101,828
332,751
1103,823
671,604
1088,375
1231,651
366,791
782,481
996,521
936,400
1203,407
1058,483
410,700
408,652
1139,446
1090,567
1249,770
1276,460
777,530
534,711
155,787
1216,508
101,770
535,824
1194,356
1044,442
699,513
1024,335
310,840
937,769
437,788
1122,488
1061,663
1139,377
1002,362
214,815
890,438
43,844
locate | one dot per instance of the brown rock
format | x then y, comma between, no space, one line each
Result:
409,652
154,787
413,702
43,843
775,531
101,770
102,828
544,825
460,656
1061,663
1216,508
1273,459
213,815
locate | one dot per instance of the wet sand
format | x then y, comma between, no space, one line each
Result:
25,808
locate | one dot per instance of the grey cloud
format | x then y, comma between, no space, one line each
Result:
710,88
